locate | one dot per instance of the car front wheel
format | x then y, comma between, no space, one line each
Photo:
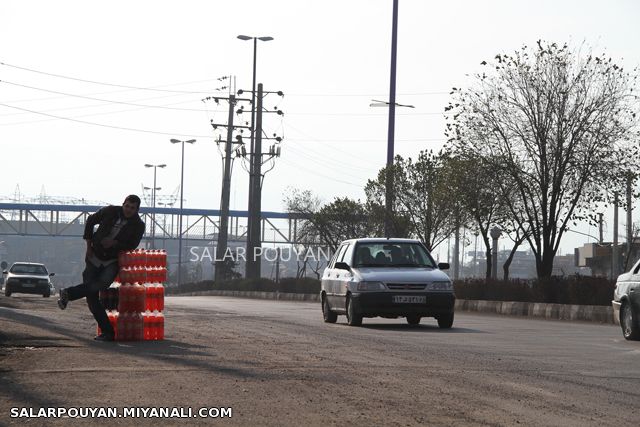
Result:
445,321
353,318
629,322
328,315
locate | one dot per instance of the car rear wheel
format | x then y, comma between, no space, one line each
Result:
413,319
445,321
353,318
46,295
7,293
629,322
328,315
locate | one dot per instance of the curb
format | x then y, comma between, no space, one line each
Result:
585,313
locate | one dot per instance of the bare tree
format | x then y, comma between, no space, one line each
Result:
559,125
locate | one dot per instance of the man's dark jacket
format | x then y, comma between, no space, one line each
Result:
127,239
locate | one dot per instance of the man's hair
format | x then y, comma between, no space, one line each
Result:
132,198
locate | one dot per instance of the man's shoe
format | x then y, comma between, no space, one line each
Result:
64,299
103,337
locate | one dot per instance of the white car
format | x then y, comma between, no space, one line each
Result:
388,278
626,303
28,278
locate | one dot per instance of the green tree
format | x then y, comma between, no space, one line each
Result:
424,207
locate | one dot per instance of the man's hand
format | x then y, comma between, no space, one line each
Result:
107,243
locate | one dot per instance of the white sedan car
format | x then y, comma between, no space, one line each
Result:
28,278
387,278
626,303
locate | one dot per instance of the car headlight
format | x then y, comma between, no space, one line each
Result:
371,286
13,282
440,286
43,282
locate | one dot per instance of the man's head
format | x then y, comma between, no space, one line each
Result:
131,205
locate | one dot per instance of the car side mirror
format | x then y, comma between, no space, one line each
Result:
443,265
5,272
52,274
342,266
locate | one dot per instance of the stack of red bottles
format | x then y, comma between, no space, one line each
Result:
140,298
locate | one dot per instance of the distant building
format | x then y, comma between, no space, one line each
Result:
599,257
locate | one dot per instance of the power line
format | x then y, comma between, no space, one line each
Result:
368,94
82,115
343,114
96,82
114,91
107,126
82,107
373,140
100,99
311,171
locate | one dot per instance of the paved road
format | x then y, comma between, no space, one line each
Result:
276,363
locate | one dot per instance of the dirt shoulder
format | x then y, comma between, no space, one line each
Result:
282,371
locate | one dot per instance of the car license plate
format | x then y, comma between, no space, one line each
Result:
409,299
28,285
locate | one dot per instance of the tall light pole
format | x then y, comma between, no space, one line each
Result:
253,237
392,119
176,141
153,202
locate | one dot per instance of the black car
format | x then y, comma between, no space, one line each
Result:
28,278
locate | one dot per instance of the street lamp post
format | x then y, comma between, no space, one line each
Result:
252,269
392,120
153,202
176,141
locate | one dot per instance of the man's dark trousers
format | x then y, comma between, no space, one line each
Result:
95,279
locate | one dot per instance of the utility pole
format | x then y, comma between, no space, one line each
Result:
600,222
629,219
223,229
614,247
456,254
255,209
388,229
254,231
278,265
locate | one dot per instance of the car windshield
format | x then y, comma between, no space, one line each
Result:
394,254
28,269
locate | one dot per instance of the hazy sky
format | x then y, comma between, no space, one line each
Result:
329,57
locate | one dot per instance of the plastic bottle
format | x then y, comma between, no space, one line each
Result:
113,319
123,298
159,297
162,259
121,327
160,326
138,298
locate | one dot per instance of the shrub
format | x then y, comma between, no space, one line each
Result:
582,290
291,285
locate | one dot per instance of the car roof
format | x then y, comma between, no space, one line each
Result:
382,240
26,263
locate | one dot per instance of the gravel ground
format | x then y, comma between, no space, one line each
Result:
275,363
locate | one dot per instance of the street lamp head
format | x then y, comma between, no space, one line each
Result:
162,165
241,37
174,141
148,165
265,39
191,141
